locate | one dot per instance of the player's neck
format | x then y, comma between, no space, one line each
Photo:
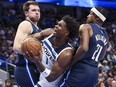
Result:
59,42
98,23
34,22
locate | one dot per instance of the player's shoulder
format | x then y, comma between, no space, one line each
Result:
25,23
68,52
25,26
84,27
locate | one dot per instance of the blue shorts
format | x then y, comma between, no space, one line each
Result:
81,75
26,76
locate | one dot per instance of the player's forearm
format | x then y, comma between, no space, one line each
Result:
43,34
54,74
78,55
37,36
40,66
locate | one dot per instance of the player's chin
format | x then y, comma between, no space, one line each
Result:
88,21
36,18
54,33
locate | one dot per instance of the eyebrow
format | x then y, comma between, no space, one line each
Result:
35,9
60,24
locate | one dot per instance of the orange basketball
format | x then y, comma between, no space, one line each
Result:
31,44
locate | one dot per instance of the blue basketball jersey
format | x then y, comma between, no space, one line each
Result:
84,73
21,60
97,44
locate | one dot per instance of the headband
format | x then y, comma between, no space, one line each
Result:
100,15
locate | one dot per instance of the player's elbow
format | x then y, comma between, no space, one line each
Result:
16,48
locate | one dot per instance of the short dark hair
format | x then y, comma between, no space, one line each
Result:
72,26
27,4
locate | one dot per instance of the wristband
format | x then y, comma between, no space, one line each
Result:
45,83
45,73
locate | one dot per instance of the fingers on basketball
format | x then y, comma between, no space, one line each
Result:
31,46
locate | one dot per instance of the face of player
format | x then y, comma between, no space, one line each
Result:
90,17
33,13
60,30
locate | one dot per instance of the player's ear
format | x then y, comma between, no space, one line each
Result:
67,33
98,19
26,13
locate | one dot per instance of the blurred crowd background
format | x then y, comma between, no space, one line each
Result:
11,15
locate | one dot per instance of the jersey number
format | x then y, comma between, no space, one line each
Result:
97,53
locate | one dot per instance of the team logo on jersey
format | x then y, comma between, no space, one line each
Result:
48,54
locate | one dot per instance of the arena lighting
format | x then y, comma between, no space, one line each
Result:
79,3
106,4
91,2
10,0
18,0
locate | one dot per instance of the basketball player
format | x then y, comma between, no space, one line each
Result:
57,53
26,74
93,41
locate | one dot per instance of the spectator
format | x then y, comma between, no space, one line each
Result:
101,84
113,84
109,81
8,83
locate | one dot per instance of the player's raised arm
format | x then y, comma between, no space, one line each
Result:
43,34
84,43
24,29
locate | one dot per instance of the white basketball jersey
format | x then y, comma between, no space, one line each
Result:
51,54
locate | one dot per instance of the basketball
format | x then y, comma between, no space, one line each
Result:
31,44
